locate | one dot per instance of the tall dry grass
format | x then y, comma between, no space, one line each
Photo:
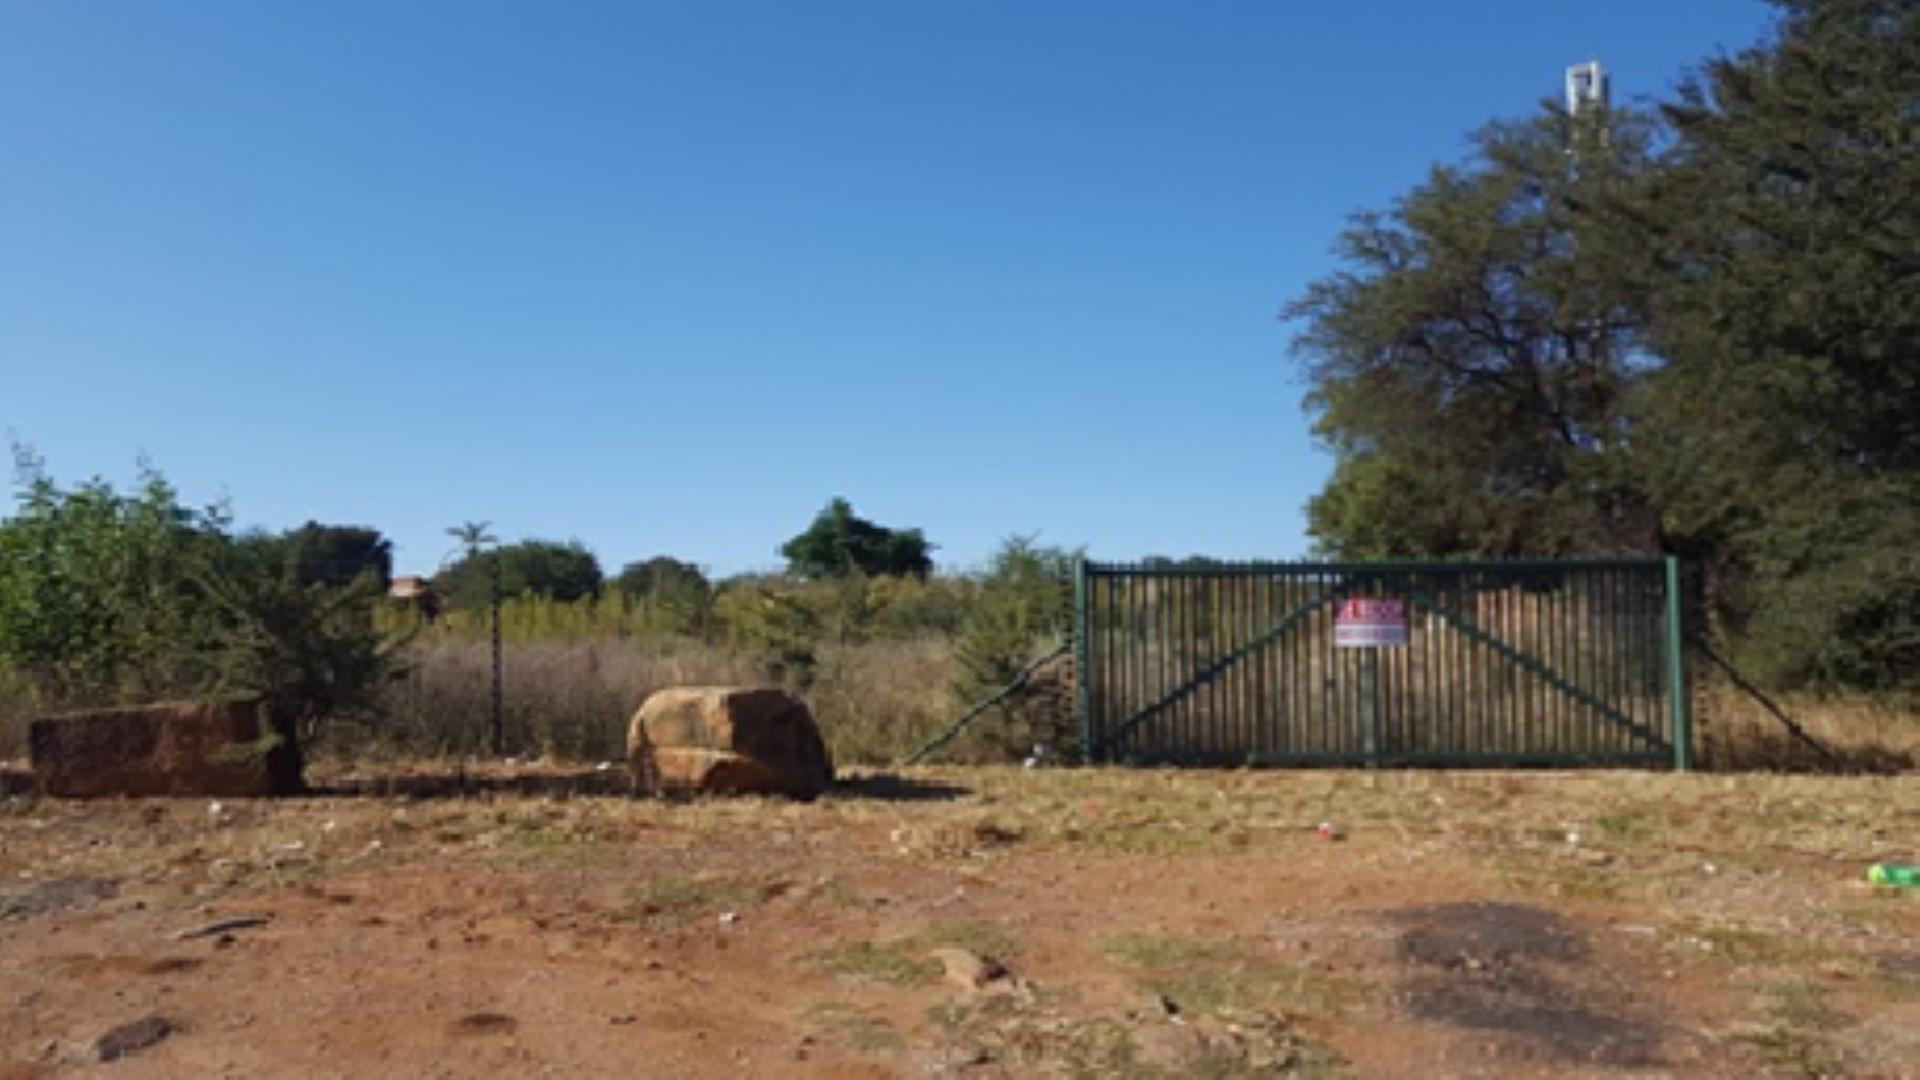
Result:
572,699
1736,732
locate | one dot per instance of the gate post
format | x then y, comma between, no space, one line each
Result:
1682,727
1082,659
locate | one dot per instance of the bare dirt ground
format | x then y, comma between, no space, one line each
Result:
1152,923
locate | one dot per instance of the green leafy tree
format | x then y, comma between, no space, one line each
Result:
304,644
557,571
839,542
108,597
678,592
660,574
96,598
1471,367
338,555
1782,435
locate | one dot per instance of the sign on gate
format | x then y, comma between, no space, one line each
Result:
1370,622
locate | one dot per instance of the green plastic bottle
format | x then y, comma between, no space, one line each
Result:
1887,873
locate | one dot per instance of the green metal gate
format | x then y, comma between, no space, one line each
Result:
1504,663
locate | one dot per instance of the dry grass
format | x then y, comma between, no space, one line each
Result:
572,699
1865,734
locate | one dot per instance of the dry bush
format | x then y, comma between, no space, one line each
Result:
572,699
879,700
1864,734
567,699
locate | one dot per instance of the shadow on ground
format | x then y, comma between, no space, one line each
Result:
888,787
879,787
16,782
1520,972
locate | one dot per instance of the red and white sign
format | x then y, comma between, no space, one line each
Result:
1370,623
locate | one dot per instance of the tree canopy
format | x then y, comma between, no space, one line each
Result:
839,542
1693,332
548,568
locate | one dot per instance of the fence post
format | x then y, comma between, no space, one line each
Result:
1677,672
1082,658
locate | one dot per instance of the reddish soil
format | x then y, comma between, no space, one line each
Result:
1154,924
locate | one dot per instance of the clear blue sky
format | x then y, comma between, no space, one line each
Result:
664,277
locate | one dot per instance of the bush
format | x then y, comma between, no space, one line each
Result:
1023,609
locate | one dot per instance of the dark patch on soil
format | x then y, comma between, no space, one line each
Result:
171,965
1900,966
485,1023
1517,971
133,1037
1487,935
59,894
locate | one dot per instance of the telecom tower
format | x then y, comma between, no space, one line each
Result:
1587,88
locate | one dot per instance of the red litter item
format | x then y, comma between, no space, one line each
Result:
1325,830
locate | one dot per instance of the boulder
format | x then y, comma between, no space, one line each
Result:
179,748
727,740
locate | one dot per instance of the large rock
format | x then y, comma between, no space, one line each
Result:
180,748
727,740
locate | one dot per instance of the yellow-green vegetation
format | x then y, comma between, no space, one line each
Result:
855,1026
904,960
1227,978
900,962
1797,1037
674,900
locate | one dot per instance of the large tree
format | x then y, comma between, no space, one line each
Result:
557,571
1471,365
840,542
1782,436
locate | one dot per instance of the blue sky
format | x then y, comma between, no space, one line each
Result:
664,277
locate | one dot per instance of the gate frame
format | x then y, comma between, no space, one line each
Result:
1679,716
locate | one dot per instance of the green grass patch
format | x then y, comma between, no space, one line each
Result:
895,963
674,900
903,961
855,1027
1226,978
1149,951
1626,826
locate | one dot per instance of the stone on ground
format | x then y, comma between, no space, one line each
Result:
727,740
179,748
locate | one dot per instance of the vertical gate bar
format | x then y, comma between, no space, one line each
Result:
1618,627
1273,701
1172,660
1291,682
1208,706
1126,621
1677,671
1243,636
1164,600
1483,686
1255,681
1189,610
1082,659
1617,658
1140,631
1115,668
1510,602
1556,608
1623,653
1116,660
1642,660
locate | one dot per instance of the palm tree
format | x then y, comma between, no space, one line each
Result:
474,537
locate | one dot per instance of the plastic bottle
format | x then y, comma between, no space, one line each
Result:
1887,873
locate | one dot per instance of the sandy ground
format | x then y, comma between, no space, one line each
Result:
1150,924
